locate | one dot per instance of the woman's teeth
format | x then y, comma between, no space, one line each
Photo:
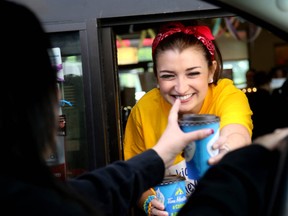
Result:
185,97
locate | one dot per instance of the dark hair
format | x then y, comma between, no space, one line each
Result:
28,120
279,70
284,90
261,78
28,114
181,41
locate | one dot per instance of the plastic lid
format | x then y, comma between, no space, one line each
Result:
198,118
172,179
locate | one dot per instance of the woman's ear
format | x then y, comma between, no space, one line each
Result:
212,71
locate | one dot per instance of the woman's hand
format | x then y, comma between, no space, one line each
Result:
232,136
223,147
157,208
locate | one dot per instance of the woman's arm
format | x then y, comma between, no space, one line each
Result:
232,136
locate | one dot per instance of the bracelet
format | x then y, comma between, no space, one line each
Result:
147,204
153,191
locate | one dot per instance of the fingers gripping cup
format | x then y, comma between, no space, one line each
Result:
171,192
197,153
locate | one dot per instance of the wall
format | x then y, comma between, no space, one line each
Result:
262,51
231,48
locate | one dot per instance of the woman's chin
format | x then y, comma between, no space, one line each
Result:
184,110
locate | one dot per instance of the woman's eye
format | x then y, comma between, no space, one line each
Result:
193,74
166,76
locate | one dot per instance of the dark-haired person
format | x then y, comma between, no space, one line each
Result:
260,97
280,105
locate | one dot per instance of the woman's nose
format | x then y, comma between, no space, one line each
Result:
181,85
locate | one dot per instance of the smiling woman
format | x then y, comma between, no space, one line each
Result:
187,65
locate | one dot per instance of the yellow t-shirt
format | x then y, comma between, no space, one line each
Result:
149,117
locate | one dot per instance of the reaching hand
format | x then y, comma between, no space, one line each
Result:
174,140
273,140
223,148
171,143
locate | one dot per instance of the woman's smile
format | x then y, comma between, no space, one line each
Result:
184,98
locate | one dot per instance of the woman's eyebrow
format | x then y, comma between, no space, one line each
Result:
192,68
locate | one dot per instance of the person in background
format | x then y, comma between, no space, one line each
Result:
278,76
250,78
279,86
280,71
260,100
280,105
188,66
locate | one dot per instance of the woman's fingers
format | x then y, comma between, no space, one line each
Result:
222,151
157,208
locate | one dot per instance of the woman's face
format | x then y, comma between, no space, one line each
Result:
184,75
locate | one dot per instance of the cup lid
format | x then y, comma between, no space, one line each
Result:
198,118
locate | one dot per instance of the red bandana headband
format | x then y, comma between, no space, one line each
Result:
202,33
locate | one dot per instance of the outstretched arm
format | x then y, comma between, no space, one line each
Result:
232,136
118,186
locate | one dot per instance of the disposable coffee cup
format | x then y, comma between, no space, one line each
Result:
197,153
171,192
